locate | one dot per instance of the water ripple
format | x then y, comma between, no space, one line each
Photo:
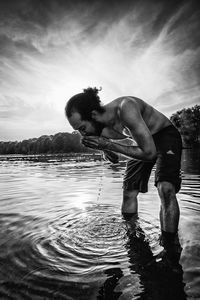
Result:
65,238
75,244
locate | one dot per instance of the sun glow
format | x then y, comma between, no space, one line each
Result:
125,55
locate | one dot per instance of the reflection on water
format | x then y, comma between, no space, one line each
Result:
63,236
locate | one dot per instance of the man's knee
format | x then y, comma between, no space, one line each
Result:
166,191
130,195
166,188
130,204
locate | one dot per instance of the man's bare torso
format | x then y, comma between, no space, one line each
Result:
154,120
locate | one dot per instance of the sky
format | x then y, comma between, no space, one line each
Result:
53,49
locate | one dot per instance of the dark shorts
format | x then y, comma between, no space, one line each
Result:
168,163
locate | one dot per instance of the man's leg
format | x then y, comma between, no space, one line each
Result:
169,213
130,202
168,181
136,178
169,220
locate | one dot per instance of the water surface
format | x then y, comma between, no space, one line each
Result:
63,236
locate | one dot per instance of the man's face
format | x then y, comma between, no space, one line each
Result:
85,127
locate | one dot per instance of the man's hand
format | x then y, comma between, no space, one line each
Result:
96,142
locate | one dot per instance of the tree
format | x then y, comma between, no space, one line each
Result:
187,122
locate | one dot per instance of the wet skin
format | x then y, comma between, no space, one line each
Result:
123,116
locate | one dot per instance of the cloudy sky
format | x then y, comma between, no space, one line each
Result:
52,49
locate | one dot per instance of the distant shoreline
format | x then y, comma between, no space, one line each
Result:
52,157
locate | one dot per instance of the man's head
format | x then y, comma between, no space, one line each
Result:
82,111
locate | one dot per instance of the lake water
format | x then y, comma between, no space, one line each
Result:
63,236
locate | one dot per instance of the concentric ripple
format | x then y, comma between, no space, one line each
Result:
80,242
84,241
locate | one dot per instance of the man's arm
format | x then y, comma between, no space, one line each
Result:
111,156
130,117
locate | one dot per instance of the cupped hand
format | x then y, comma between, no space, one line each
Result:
95,142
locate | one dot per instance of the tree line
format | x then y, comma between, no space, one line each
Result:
46,144
187,121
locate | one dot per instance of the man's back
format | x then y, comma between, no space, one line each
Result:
154,120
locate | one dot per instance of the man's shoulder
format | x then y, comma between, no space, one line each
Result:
130,103
125,100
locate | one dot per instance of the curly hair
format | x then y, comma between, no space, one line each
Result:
84,103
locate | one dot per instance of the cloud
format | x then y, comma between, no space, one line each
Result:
50,50
19,119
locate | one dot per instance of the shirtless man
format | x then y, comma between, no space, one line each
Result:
157,142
